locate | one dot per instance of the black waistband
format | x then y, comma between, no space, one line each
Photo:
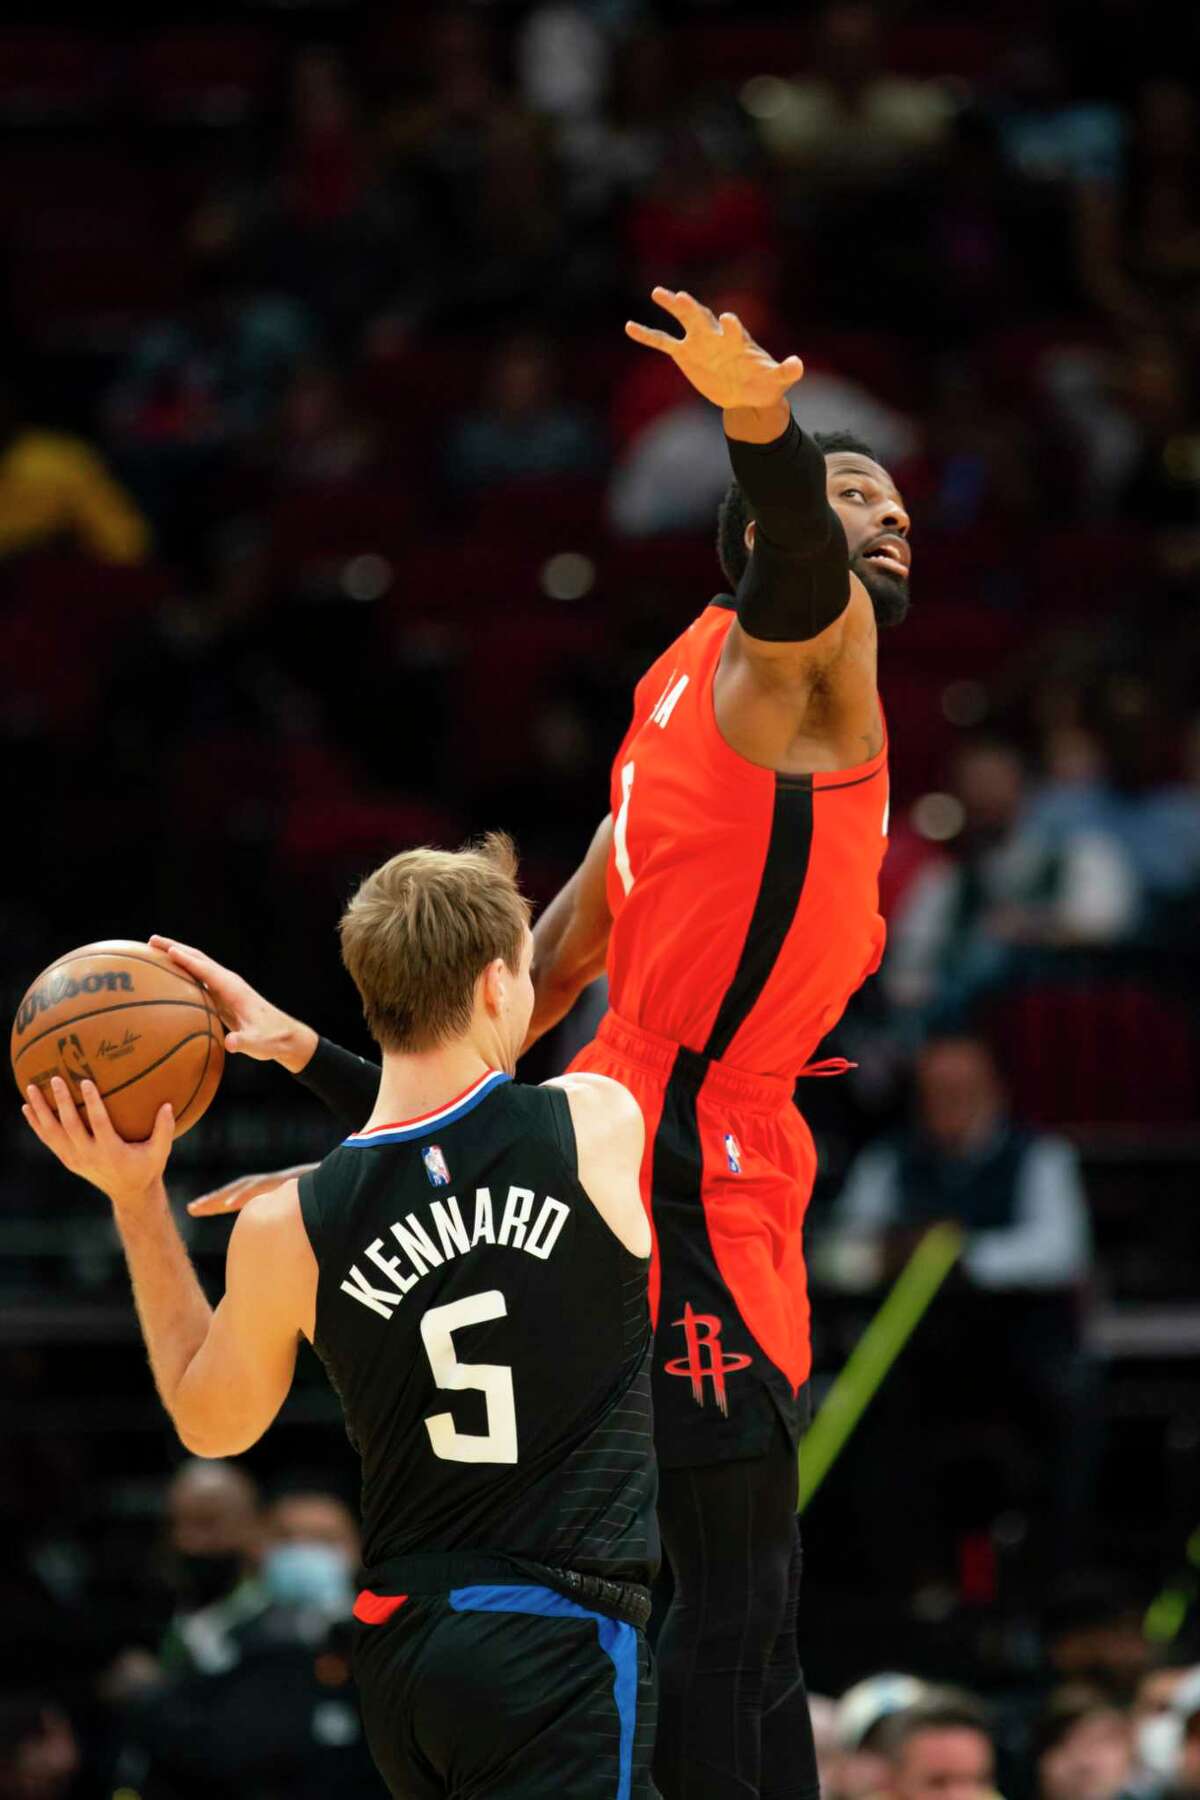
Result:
437,1573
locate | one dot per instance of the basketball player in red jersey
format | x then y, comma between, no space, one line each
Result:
732,895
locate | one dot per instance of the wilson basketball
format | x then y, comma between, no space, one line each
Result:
122,1015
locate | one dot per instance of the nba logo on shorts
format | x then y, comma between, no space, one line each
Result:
435,1165
733,1151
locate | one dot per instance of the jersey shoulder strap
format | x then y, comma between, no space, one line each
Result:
546,1112
311,1211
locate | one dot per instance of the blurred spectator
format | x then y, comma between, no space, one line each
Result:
969,923
214,1536
563,61
39,1754
852,121
940,1748
524,427
699,223
311,1554
1158,1727
1083,1745
277,1715
481,167
858,1769
1093,1626
317,438
1075,792
1185,1779
324,227
192,391
1120,409
55,489
1139,244
1019,1200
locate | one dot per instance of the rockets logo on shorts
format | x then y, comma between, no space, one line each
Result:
435,1165
733,1151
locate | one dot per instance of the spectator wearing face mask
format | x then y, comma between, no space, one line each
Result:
1084,1746
311,1554
1183,1782
283,1718
214,1544
1157,1727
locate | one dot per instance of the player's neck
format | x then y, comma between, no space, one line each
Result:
423,1082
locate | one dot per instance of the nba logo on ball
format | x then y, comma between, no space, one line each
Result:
733,1151
435,1165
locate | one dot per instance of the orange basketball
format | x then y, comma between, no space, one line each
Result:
122,1015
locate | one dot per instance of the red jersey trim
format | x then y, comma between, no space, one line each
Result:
377,1609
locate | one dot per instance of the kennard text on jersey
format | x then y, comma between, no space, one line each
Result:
518,1229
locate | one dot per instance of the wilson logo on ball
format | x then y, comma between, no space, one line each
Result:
67,988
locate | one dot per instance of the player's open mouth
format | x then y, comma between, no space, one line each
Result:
892,554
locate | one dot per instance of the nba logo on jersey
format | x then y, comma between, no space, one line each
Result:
435,1166
733,1151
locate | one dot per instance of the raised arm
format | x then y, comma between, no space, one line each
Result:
797,680
570,938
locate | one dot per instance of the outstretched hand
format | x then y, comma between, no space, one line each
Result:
127,1173
223,1201
718,356
253,1026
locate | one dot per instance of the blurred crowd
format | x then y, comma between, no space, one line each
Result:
229,1671
336,513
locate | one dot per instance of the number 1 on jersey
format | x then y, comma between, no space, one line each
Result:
621,828
494,1380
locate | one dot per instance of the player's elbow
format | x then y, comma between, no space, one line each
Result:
212,1439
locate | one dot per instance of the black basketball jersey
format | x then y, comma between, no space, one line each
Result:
488,1336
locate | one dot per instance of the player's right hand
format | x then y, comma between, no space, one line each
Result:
253,1026
718,356
231,1198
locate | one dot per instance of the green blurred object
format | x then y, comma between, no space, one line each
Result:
874,1354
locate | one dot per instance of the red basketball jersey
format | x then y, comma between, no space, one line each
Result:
745,903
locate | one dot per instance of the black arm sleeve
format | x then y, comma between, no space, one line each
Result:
345,1083
797,581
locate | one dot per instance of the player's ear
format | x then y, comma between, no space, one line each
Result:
749,535
494,984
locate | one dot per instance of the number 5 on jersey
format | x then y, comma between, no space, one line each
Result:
494,1380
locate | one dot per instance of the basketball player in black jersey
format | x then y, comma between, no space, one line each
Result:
471,1266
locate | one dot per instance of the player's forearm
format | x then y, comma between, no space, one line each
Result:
797,581
345,1083
171,1307
784,480
562,967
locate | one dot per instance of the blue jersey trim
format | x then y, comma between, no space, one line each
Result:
404,1134
618,1640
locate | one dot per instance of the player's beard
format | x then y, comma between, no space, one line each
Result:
889,593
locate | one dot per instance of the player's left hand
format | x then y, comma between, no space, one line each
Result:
127,1173
238,1193
718,356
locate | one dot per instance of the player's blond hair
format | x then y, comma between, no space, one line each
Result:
421,930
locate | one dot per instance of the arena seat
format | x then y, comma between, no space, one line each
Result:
1113,1052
